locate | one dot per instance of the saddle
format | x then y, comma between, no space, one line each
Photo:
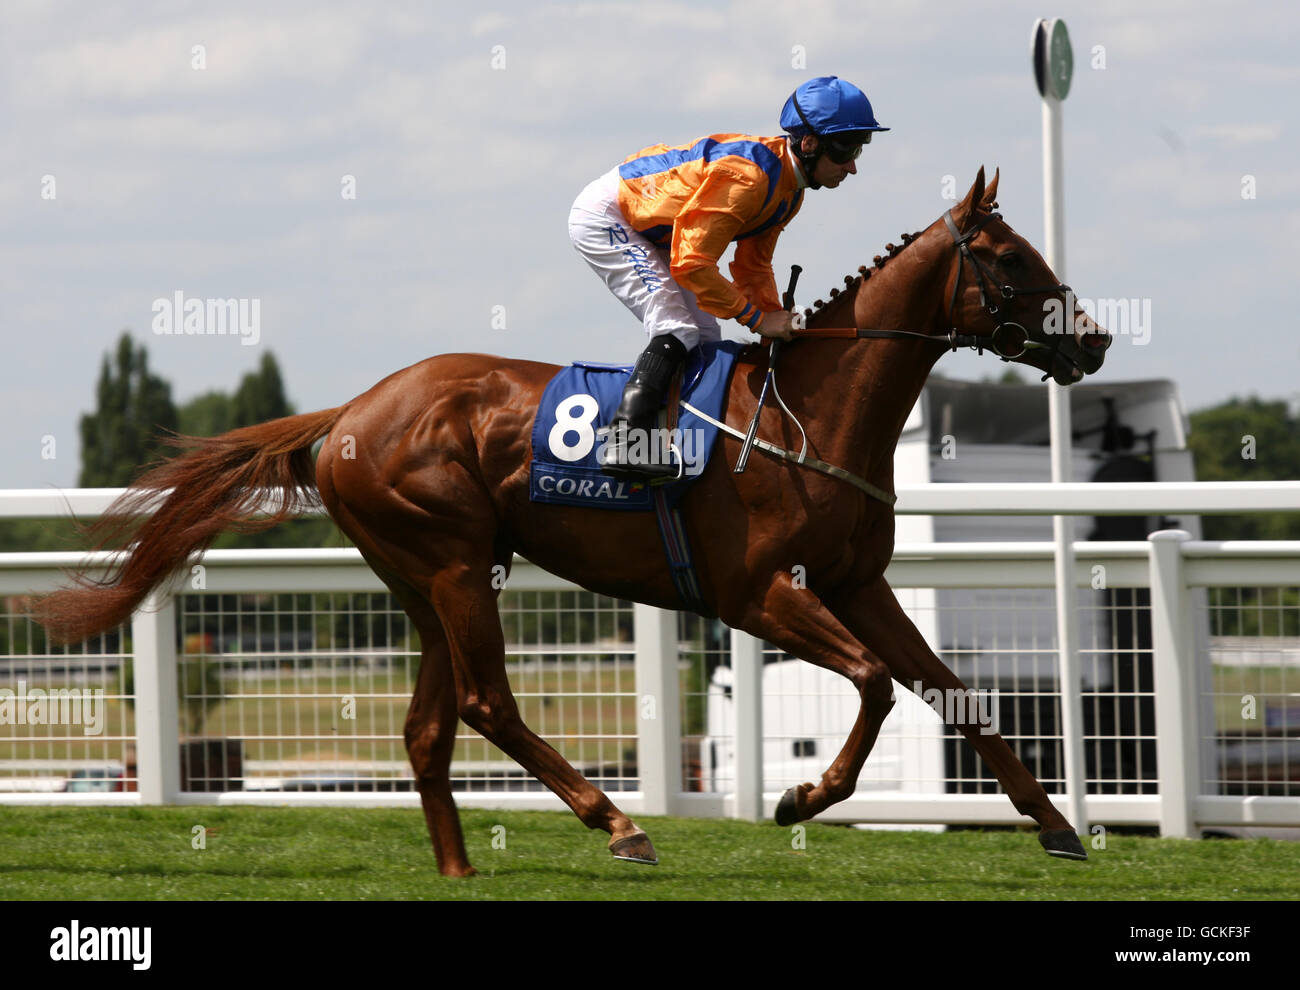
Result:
564,469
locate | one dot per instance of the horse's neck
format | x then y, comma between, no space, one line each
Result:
868,387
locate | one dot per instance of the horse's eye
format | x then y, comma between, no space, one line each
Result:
1009,260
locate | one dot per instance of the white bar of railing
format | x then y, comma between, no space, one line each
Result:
1244,811
747,688
1099,498
1084,498
992,550
157,719
337,556
659,733
1218,549
1177,699
253,571
55,503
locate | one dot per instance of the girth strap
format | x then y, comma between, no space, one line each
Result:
672,528
678,549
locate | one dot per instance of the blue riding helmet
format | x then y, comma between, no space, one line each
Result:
837,113
828,105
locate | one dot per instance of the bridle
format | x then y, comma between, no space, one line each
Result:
1009,339
997,341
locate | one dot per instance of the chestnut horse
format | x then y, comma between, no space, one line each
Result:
428,474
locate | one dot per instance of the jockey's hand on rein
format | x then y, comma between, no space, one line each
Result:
777,323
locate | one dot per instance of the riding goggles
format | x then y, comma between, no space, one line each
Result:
842,152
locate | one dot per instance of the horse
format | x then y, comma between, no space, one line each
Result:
427,473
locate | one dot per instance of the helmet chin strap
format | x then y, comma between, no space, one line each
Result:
808,159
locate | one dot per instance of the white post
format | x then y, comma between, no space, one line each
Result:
157,719
1058,404
747,694
659,721
1178,763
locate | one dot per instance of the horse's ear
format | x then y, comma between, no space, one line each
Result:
972,201
990,198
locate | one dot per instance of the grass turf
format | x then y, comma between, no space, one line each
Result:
380,853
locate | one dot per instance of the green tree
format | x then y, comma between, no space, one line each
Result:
260,395
258,398
1247,440
134,408
207,415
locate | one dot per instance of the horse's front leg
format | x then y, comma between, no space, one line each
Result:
799,623
874,615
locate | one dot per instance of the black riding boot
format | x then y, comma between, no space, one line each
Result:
631,449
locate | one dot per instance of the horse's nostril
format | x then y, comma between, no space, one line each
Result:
1096,340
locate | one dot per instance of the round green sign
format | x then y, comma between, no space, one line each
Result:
1060,60
1053,57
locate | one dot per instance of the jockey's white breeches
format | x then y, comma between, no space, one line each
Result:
633,268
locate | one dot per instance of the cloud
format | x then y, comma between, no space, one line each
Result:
136,64
1243,133
226,181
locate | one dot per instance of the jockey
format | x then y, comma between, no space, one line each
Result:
655,227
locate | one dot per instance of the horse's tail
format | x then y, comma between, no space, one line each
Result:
248,480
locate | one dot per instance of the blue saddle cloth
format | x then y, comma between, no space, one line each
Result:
582,398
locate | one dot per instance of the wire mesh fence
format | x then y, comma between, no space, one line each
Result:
67,721
308,692
1253,690
1002,644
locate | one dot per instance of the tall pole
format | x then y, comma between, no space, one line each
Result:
1053,67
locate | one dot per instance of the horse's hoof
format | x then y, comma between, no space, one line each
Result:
787,809
635,849
1062,842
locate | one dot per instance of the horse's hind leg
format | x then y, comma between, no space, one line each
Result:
465,600
430,734
431,722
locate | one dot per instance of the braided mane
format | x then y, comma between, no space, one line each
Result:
854,282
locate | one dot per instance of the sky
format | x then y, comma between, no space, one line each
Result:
381,183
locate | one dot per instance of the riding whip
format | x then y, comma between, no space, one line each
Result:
787,300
